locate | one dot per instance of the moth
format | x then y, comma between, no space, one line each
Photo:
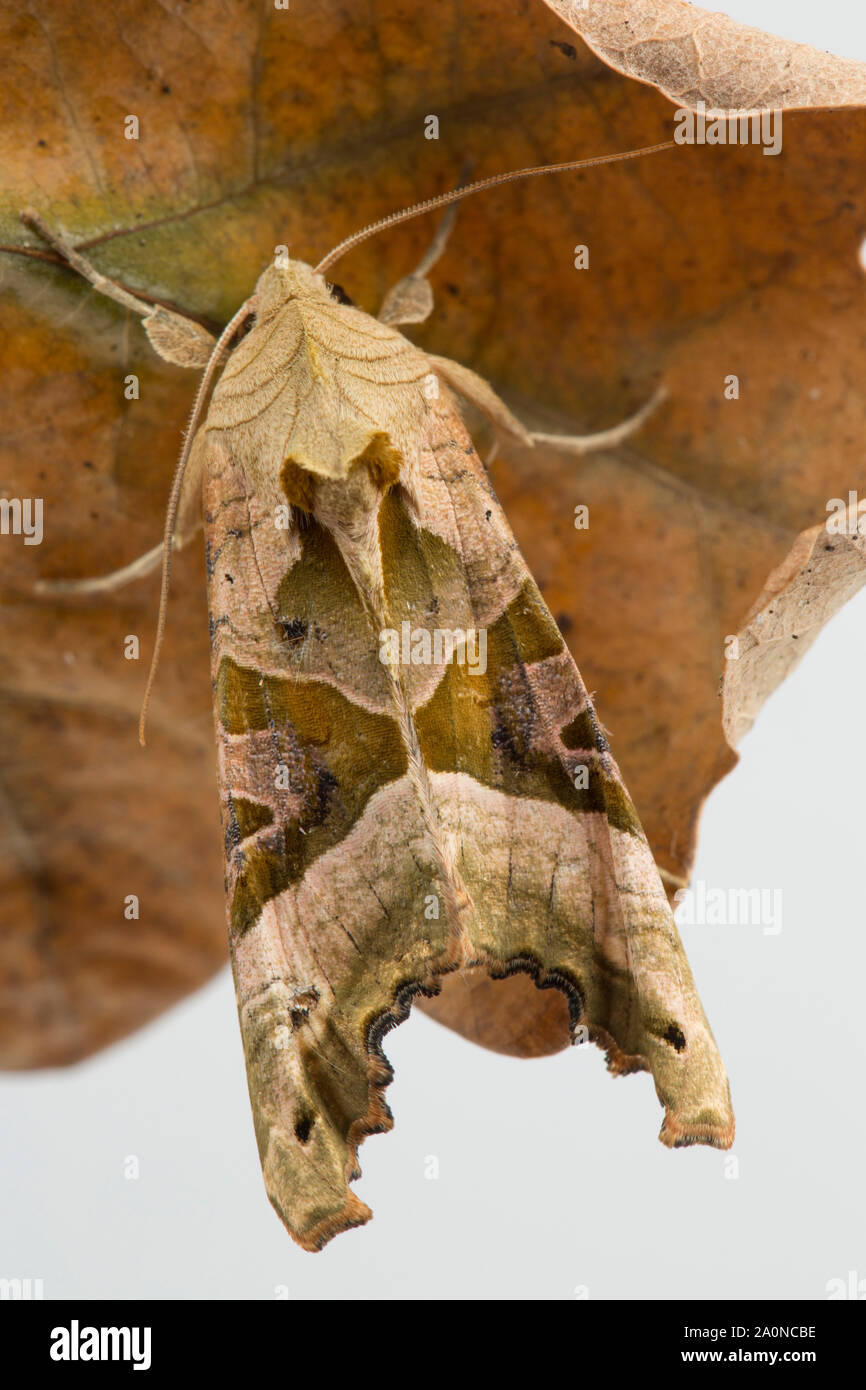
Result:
393,811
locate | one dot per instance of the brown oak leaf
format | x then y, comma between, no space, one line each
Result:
258,128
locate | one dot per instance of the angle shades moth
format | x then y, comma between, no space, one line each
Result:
396,810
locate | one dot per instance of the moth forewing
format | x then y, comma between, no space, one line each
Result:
391,813
413,779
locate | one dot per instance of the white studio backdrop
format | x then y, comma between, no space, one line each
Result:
521,1180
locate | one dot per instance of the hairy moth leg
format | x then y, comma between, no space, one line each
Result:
173,336
189,525
604,439
481,394
411,299
139,568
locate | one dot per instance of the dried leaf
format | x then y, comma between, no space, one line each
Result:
264,128
822,571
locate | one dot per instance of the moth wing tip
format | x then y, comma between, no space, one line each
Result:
715,1133
314,1238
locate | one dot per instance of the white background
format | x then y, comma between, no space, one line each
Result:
550,1175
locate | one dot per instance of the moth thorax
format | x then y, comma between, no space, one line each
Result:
366,480
282,282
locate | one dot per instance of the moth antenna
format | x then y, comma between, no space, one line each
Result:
443,199
174,497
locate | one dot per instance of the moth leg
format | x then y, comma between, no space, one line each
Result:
103,583
189,524
411,299
604,439
144,565
174,337
480,393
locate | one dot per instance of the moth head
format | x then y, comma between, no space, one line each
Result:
285,280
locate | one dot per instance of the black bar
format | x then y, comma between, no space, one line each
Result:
258,1338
